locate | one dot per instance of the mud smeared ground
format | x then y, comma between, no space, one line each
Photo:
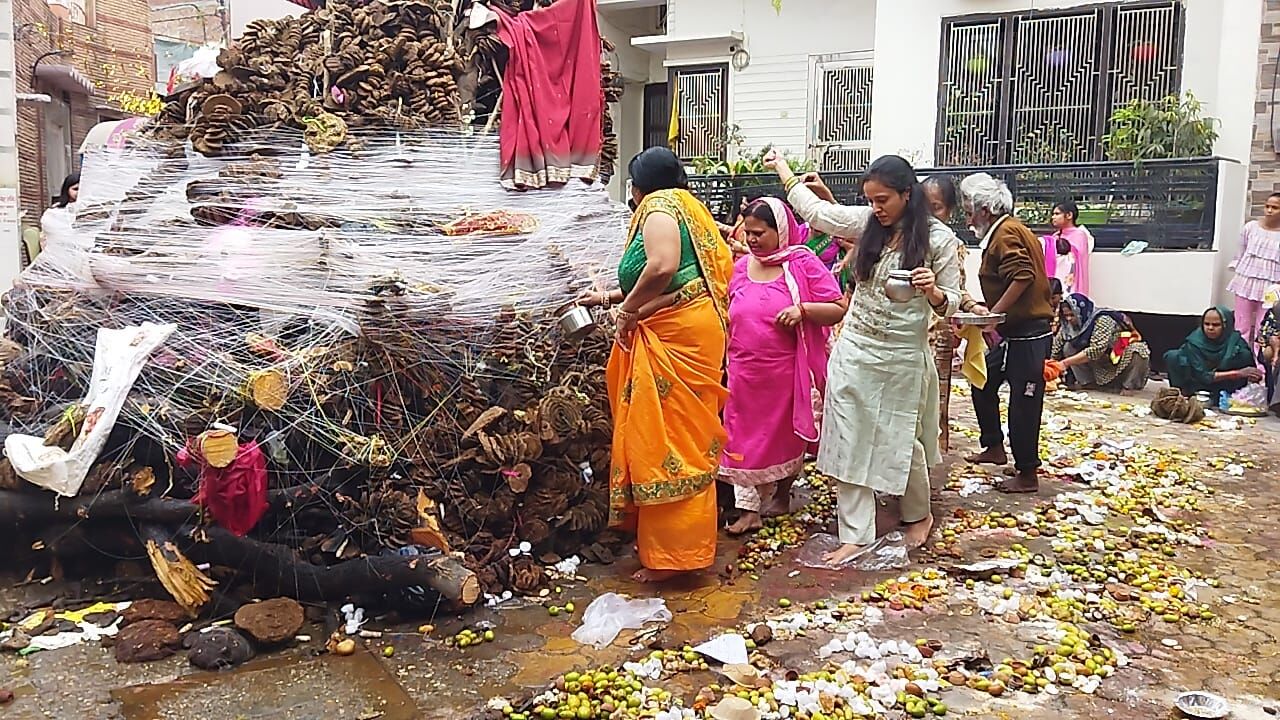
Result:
1236,655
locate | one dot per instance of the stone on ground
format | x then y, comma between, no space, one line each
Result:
218,649
271,621
147,640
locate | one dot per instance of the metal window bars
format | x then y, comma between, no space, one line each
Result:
1040,86
1169,204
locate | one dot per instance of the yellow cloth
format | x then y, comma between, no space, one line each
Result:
975,355
673,127
78,616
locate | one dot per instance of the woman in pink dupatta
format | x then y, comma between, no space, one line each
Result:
782,302
1066,251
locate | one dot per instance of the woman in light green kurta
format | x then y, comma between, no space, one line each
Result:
880,418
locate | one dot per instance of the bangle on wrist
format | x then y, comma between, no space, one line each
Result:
790,184
804,314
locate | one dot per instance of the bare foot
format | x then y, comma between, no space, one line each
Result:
651,577
846,553
990,456
917,533
1021,484
750,521
780,505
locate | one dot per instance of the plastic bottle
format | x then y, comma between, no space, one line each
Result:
1224,401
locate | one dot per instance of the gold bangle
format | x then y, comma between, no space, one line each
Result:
790,184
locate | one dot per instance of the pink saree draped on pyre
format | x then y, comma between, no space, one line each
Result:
552,100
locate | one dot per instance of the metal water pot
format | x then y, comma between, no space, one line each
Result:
576,322
898,287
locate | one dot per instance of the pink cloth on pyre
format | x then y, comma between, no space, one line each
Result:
552,99
236,495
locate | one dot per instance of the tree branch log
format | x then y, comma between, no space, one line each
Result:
277,570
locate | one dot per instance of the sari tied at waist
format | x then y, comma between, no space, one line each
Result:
666,394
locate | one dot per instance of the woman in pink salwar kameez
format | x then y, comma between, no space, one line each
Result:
782,302
1068,249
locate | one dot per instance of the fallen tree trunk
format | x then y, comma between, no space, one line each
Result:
277,570
272,569
20,510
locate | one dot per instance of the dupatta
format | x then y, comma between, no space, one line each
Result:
811,348
1078,238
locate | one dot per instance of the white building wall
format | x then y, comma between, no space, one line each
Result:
769,100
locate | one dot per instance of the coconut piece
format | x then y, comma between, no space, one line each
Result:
733,708
219,447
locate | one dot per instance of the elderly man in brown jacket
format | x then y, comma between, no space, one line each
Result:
1015,284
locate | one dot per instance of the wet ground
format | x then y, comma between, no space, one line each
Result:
1232,651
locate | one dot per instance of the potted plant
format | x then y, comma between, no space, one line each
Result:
1164,129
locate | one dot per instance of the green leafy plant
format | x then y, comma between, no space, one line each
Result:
1155,130
1046,147
777,6
748,165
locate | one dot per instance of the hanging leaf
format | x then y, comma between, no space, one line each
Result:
777,6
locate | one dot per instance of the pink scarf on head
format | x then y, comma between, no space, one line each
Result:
791,234
811,348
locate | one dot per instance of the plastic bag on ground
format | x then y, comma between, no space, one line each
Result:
887,553
612,613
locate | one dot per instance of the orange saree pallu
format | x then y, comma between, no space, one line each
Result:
667,436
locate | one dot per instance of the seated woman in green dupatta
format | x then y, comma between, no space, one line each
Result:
1215,358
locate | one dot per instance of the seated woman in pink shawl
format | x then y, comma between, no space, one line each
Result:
1066,251
782,300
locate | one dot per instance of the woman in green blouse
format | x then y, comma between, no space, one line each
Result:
666,372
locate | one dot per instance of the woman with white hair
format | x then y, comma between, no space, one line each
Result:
1015,284
880,416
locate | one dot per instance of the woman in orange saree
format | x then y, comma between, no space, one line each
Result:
665,374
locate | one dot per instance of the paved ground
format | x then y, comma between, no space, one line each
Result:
1175,512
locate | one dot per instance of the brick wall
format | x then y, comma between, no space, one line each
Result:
1264,165
35,33
113,48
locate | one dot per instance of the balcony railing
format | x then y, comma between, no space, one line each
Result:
1169,204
